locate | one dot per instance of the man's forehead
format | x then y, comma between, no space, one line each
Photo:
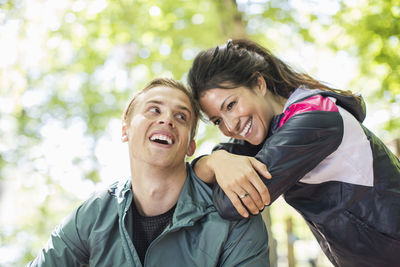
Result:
166,95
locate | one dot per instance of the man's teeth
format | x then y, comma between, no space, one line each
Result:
246,129
162,138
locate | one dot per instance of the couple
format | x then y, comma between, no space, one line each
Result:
339,176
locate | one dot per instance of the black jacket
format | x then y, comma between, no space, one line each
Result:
336,173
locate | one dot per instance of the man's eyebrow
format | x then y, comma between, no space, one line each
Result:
154,102
159,102
185,108
221,107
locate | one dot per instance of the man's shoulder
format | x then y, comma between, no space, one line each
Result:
197,190
255,223
98,211
104,198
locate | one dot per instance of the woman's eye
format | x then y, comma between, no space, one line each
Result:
230,105
217,122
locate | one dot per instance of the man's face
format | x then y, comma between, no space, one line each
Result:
159,129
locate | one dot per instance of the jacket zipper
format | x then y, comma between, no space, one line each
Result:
155,241
125,234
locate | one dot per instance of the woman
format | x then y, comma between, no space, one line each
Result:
339,176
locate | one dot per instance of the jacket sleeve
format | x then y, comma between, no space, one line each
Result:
247,244
66,245
301,142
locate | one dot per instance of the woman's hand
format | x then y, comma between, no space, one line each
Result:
238,178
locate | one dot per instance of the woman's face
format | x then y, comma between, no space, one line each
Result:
241,112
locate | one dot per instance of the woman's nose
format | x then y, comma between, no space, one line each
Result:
231,124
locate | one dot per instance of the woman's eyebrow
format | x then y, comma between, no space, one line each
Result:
223,103
212,118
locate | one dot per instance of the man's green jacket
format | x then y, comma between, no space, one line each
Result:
99,233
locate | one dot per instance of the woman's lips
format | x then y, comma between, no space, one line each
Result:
246,128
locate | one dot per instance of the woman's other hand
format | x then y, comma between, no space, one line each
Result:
238,178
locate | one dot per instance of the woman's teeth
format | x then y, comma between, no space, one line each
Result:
246,129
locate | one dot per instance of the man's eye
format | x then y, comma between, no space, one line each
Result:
230,105
154,109
181,117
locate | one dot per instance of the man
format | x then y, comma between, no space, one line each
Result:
164,215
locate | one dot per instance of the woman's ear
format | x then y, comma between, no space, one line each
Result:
261,86
124,137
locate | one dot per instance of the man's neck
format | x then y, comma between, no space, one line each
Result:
156,189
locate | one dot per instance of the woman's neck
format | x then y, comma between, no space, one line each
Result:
278,102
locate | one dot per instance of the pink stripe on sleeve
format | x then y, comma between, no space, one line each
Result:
316,102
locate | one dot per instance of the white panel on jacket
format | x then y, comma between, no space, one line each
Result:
351,163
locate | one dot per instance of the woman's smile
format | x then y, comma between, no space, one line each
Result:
246,130
241,113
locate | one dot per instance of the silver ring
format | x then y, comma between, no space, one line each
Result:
244,195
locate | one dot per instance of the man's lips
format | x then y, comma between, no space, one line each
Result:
162,137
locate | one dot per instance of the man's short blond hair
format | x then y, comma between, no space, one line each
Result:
171,83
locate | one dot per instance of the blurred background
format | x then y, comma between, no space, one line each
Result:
68,68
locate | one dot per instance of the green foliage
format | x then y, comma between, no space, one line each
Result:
8,5
77,65
93,56
374,32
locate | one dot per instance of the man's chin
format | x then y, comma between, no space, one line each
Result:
166,163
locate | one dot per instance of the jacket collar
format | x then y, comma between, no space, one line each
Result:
195,199
356,108
302,92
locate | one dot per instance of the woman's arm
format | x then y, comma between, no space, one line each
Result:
300,144
237,176
201,167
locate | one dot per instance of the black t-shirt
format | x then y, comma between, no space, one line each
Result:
146,229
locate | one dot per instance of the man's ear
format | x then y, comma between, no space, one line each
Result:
191,148
124,137
261,86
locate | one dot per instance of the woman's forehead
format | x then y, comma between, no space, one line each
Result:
219,94
213,101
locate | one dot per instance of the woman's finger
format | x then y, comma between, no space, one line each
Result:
254,200
261,188
249,203
260,167
256,181
234,198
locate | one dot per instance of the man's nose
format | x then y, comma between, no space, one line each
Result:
167,119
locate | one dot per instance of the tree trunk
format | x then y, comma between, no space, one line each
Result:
273,255
232,24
